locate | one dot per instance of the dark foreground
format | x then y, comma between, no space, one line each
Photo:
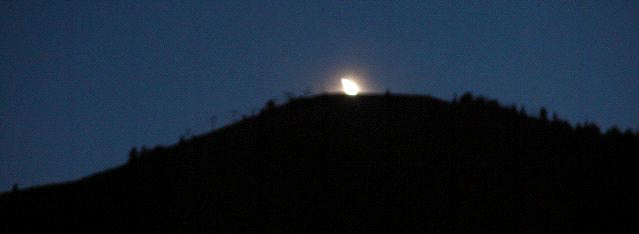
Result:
368,163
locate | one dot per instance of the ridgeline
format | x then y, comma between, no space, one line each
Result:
363,163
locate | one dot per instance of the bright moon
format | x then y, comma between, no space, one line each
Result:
350,87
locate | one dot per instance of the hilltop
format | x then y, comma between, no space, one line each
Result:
371,162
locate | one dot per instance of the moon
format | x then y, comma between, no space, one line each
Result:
350,87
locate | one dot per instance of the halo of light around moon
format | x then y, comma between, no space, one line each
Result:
350,87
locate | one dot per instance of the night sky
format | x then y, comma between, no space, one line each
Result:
81,82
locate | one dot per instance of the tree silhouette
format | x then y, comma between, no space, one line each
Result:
466,98
614,132
543,114
143,151
270,105
480,100
133,155
522,111
555,117
628,134
591,129
408,162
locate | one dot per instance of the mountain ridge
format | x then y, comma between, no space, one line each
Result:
370,162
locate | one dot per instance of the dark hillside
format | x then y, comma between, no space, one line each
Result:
359,163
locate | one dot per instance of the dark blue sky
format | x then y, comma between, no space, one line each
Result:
82,82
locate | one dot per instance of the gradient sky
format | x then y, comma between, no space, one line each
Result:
81,82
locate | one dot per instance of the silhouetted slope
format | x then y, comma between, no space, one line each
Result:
358,163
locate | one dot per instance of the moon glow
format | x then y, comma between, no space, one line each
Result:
350,87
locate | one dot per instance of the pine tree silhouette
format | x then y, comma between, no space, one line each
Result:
543,114
133,155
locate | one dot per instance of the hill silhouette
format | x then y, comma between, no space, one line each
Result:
363,163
